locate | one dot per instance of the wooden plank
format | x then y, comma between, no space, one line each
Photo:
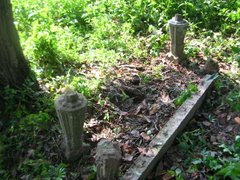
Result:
143,165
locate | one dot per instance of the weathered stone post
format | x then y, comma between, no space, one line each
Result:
178,28
71,108
108,158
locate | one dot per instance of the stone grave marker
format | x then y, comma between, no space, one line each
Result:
71,108
108,158
178,27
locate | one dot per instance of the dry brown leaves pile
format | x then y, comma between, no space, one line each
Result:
138,101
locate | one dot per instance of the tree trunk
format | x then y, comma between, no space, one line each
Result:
13,65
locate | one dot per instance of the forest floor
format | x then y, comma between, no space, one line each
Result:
139,99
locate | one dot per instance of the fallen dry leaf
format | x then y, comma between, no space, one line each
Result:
178,158
154,109
229,128
146,151
126,137
141,149
135,133
167,176
123,113
165,97
127,157
94,138
237,120
149,153
142,106
93,122
221,137
206,123
30,152
147,119
229,117
213,139
222,116
127,148
145,136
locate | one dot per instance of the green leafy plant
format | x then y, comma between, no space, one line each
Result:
232,170
157,71
190,90
231,165
222,163
233,99
41,169
145,78
35,122
177,173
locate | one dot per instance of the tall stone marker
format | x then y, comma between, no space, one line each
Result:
178,28
71,109
108,158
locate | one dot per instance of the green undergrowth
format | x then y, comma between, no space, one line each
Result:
27,135
233,99
216,46
58,34
221,162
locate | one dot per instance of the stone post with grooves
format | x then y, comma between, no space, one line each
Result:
178,28
108,156
71,108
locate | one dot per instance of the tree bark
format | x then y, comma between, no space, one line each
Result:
13,65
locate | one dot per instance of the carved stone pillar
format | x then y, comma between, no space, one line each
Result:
71,108
178,28
107,160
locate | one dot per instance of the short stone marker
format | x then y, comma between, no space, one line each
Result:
178,28
71,108
108,158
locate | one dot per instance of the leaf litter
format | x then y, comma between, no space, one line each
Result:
137,101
